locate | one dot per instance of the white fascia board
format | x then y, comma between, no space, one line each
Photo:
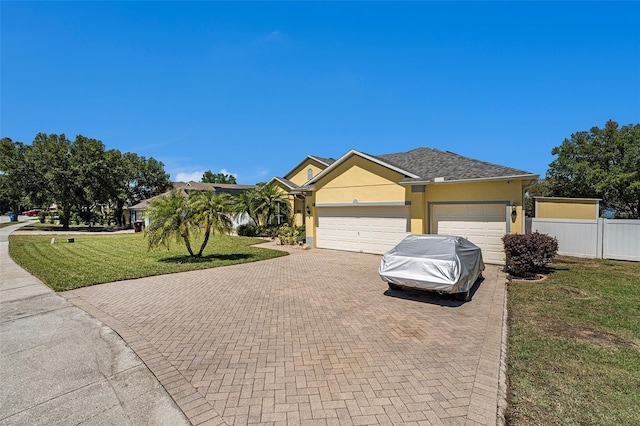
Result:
489,179
346,156
566,199
277,179
303,189
318,160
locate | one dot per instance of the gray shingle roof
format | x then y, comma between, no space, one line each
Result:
327,161
429,163
287,182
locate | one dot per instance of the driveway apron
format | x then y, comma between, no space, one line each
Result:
60,366
311,338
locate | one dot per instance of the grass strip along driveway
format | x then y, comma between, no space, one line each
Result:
94,259
574,350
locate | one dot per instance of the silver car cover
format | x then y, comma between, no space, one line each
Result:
442,263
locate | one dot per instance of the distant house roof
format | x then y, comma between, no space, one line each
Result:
186,187
202,186
428,165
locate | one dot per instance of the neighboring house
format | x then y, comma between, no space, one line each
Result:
137,211
566,208
290,183
367,203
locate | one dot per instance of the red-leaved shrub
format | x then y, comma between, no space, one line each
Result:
528,252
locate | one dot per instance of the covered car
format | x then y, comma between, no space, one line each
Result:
440,263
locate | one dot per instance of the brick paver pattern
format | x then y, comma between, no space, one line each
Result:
311,338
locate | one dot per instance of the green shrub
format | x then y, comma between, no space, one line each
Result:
269,231
247,230
286,235
42,217
290,235
527,253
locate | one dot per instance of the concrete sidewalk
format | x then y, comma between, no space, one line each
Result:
58,365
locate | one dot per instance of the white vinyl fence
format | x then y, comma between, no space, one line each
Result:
598,238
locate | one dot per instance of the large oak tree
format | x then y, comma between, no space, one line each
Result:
600,163
77,175
210,177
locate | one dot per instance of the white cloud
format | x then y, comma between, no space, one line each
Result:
227,172
187,177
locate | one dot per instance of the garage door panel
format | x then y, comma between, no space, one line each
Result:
361,229
482,224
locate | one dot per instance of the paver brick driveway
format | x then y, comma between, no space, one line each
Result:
310,338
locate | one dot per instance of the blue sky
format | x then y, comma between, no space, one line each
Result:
252,88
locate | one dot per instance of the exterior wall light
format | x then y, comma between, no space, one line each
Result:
514,213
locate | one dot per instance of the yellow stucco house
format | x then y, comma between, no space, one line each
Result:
368,203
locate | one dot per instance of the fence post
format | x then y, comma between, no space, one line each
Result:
600,238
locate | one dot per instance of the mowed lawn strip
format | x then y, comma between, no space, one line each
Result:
574,345
94,259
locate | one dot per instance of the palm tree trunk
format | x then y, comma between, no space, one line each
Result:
188,244
268,219
204,243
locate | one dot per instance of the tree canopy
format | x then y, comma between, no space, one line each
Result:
210,177
76,175
600,163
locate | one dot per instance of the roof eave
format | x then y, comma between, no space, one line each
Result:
487,179
566,198
303,189
278,179
324,163
318,160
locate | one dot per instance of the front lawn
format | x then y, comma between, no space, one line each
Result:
94,259
5,224
55,227
574,345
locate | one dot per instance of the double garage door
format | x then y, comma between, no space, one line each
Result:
378,229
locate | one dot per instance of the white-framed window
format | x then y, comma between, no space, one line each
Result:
309,174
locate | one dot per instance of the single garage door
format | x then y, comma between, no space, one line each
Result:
482,224
362,229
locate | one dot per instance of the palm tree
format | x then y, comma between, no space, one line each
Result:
245,203
171,218
212,212
270,203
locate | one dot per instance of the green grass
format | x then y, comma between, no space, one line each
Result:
37,226
574,346
94,259
5,224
